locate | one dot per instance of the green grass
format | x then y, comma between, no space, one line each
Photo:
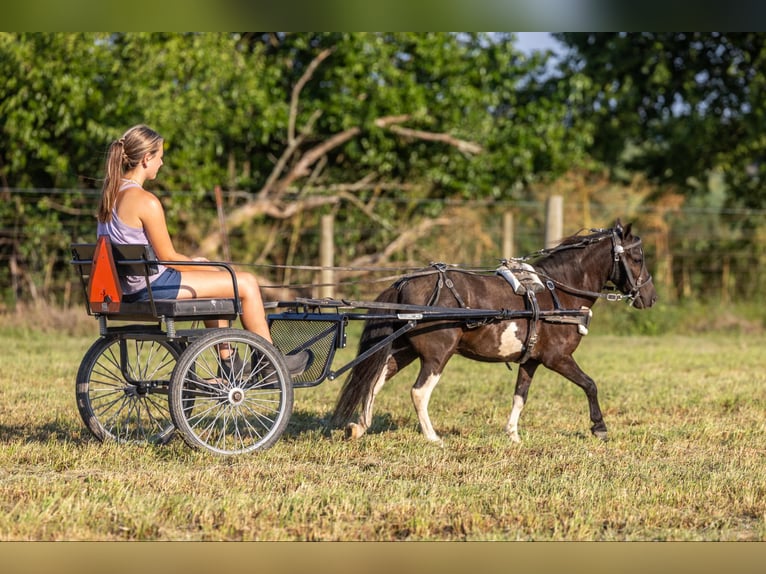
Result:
686,459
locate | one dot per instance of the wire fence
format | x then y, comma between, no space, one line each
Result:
692,252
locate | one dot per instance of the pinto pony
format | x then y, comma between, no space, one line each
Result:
541,328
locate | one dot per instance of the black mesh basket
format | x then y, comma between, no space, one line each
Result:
293,332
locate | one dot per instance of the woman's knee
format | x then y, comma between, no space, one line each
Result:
248,285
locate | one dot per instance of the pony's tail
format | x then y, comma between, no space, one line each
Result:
359,382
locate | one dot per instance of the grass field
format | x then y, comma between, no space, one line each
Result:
686,459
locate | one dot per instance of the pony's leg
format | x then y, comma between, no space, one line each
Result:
357,429
523,380
568,367
428,378
399,359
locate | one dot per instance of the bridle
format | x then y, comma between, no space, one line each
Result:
619,251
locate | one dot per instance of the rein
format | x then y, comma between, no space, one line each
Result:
618,253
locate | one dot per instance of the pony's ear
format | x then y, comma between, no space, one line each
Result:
623,232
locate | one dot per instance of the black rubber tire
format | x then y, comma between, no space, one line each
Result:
236,414
122,389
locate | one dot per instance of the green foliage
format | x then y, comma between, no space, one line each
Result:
221,101
502,126
692,102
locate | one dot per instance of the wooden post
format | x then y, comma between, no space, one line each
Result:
222,223
554,221
725,279
327,257
507,250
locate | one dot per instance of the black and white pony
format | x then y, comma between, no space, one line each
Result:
546,331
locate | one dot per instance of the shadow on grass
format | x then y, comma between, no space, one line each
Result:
303,422
53,431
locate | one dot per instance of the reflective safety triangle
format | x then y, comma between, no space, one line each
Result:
104,291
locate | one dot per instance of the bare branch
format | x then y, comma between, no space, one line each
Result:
405,239
364,208
287,154
386,121
210,245
294,142
299,86
363,185
462,145
389,122
301,169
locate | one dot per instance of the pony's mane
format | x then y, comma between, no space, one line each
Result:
554,256
580,240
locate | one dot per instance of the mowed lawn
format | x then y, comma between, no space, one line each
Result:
686,459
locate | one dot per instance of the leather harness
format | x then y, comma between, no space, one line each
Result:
580,317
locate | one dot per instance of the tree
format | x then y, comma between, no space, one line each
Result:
676,106
289,123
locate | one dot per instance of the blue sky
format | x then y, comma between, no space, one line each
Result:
529,41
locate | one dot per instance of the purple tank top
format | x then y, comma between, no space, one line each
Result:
121,233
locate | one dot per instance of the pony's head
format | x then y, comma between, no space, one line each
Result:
629,273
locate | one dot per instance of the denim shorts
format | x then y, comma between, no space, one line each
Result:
166,286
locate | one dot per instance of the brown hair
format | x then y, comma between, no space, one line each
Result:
125,154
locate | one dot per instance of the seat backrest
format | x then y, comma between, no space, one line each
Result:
130,259
100,266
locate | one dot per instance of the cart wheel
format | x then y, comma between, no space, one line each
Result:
231,410
122,388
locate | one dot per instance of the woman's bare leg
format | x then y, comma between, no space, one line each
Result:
218,284
204,284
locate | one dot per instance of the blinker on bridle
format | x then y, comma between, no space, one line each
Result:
618,255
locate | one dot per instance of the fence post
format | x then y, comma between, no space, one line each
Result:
326,257
508,231
222,223
554,221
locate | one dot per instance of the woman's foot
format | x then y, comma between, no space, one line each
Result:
233,368
300,362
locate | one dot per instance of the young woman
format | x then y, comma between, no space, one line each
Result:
128,213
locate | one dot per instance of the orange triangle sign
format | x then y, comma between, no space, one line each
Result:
104,291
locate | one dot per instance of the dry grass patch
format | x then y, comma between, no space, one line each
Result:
685,460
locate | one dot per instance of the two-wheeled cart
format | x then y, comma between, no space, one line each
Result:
146,377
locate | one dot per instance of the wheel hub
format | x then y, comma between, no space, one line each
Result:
236,396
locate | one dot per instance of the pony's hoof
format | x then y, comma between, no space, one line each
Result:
601,435
353,431
515,438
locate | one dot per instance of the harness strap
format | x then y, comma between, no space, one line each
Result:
552,288
532,335
582,319
442,281
436,292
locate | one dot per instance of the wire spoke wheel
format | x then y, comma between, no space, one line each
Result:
122,389
235,404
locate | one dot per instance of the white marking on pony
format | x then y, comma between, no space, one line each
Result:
365,420
510,343
512,428
420,398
